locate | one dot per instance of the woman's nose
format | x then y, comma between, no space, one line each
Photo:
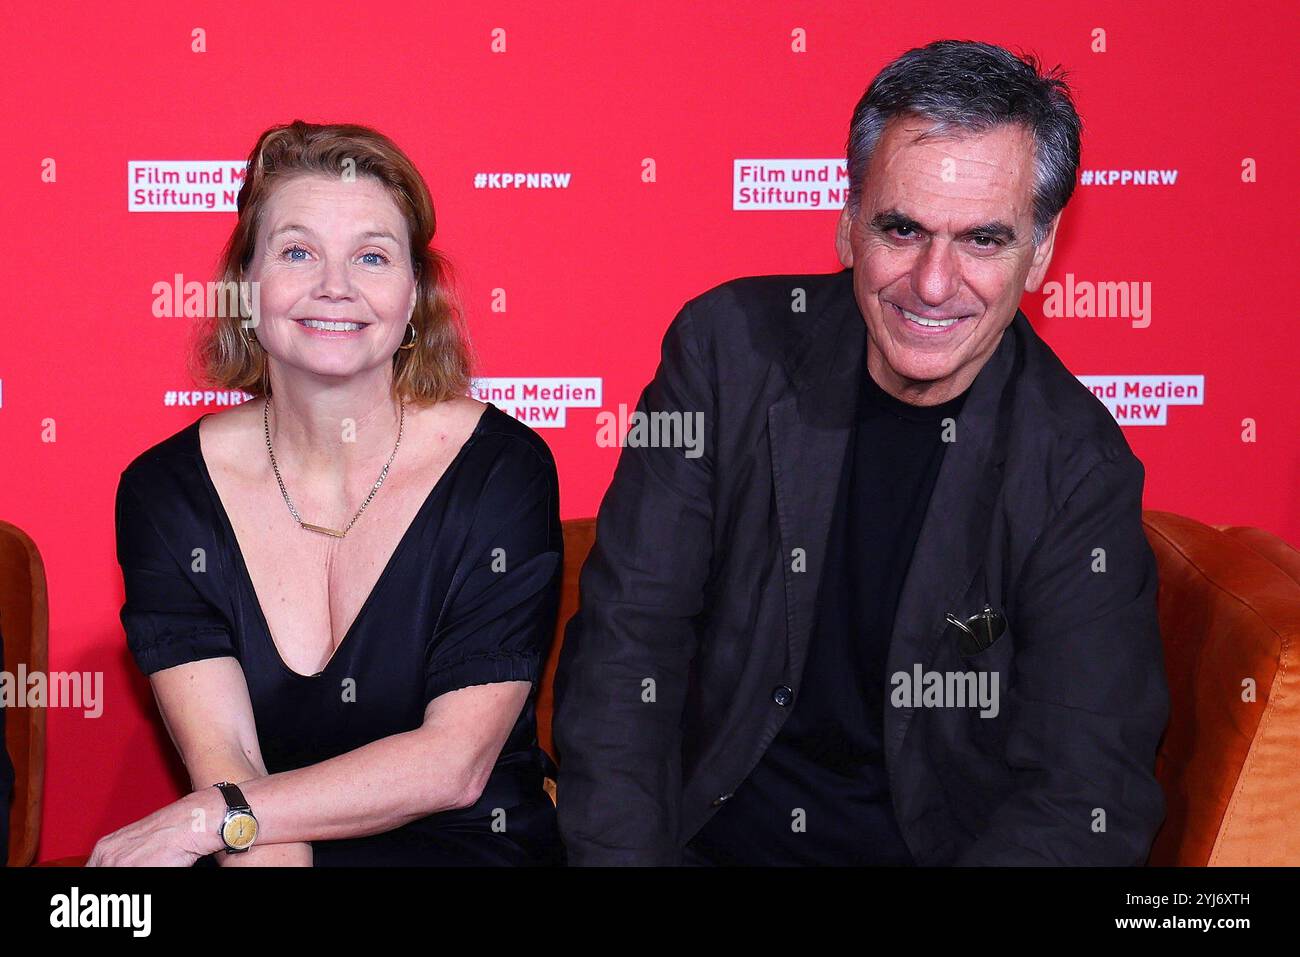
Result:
334,279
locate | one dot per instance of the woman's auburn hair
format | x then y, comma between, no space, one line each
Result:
439,366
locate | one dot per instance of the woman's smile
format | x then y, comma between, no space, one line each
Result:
332,328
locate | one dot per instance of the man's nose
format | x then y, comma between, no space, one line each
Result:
936,276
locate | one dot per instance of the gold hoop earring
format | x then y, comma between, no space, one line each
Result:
409,345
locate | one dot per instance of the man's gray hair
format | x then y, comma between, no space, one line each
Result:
965,86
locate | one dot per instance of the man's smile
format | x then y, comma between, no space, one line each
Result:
921,324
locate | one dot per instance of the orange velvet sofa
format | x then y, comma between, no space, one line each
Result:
1229,761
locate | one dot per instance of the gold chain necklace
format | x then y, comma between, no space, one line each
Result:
266,427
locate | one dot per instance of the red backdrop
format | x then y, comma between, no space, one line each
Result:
593,270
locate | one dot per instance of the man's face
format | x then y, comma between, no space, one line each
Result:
944,233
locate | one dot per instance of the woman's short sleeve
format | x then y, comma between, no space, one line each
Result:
500,619
167,620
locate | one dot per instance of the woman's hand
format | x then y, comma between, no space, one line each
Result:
173,836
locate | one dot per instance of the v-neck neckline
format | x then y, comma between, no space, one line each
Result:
246,579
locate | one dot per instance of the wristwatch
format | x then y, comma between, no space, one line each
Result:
238,827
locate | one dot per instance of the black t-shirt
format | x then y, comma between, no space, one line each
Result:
443,615
820,793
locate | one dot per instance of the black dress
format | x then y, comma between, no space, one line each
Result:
448,611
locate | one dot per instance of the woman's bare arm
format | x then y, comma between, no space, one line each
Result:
206,710
443,764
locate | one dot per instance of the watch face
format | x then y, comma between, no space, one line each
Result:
240,831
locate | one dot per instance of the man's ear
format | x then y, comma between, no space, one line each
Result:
844,235
1042,258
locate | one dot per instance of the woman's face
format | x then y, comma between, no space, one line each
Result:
336,285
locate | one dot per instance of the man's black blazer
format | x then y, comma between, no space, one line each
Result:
698,600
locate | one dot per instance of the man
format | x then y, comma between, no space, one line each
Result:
901,609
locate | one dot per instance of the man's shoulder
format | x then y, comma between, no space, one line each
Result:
784,298
754,324
1071,429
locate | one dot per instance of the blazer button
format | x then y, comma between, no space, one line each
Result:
722,798
782,695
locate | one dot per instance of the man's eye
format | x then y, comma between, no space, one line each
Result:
903,230
985,242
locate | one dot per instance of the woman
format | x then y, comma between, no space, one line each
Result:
343,591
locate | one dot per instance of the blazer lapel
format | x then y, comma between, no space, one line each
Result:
809,434
954,532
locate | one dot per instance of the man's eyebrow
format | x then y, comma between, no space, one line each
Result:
894,219
994,229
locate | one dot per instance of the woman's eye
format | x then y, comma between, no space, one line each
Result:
290,251
383,260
